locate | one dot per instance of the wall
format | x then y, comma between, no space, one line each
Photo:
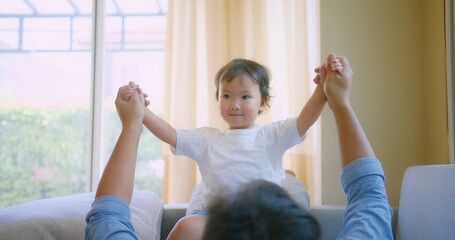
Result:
396,49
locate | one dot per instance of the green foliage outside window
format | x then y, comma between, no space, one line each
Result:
44,153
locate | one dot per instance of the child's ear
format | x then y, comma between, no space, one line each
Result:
262,108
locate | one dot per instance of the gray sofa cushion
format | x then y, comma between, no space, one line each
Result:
64,217
427,209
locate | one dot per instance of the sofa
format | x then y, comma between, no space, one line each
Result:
330,218
426,211
63,217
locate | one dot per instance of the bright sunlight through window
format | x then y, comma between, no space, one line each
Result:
47,92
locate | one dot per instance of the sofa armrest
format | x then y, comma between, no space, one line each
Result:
64,217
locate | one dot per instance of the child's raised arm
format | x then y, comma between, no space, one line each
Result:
160,128
313,108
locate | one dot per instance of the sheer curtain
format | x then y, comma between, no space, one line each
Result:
203,35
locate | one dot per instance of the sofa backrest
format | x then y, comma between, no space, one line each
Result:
329,217
427,203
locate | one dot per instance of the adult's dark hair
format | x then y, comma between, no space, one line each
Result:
246,68
262,211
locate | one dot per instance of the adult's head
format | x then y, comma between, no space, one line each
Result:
261,210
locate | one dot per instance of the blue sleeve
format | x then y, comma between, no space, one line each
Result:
368,214
109,218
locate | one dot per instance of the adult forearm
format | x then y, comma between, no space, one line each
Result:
118,176
352,139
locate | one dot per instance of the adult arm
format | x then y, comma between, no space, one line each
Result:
118,176
351,137
368,214
110,215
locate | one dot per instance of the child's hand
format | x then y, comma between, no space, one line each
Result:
321,71
128,91
146,101
336,65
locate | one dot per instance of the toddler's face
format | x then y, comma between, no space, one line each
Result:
240,102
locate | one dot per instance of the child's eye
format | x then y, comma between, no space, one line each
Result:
246,97
225,96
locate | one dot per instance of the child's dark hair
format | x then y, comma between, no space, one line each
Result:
261,210
248,68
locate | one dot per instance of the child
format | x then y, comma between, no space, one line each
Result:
229,159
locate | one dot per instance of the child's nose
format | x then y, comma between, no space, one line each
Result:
234,105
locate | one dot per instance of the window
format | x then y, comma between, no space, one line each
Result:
58,122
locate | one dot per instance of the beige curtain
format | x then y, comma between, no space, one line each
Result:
203,35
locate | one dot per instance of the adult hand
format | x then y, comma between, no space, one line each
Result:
321,71
131,111
337,83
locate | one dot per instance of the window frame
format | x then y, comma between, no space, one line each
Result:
450,56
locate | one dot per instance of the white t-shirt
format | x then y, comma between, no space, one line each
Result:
228,159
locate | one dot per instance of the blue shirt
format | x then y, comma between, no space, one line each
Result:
368,214
109,218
